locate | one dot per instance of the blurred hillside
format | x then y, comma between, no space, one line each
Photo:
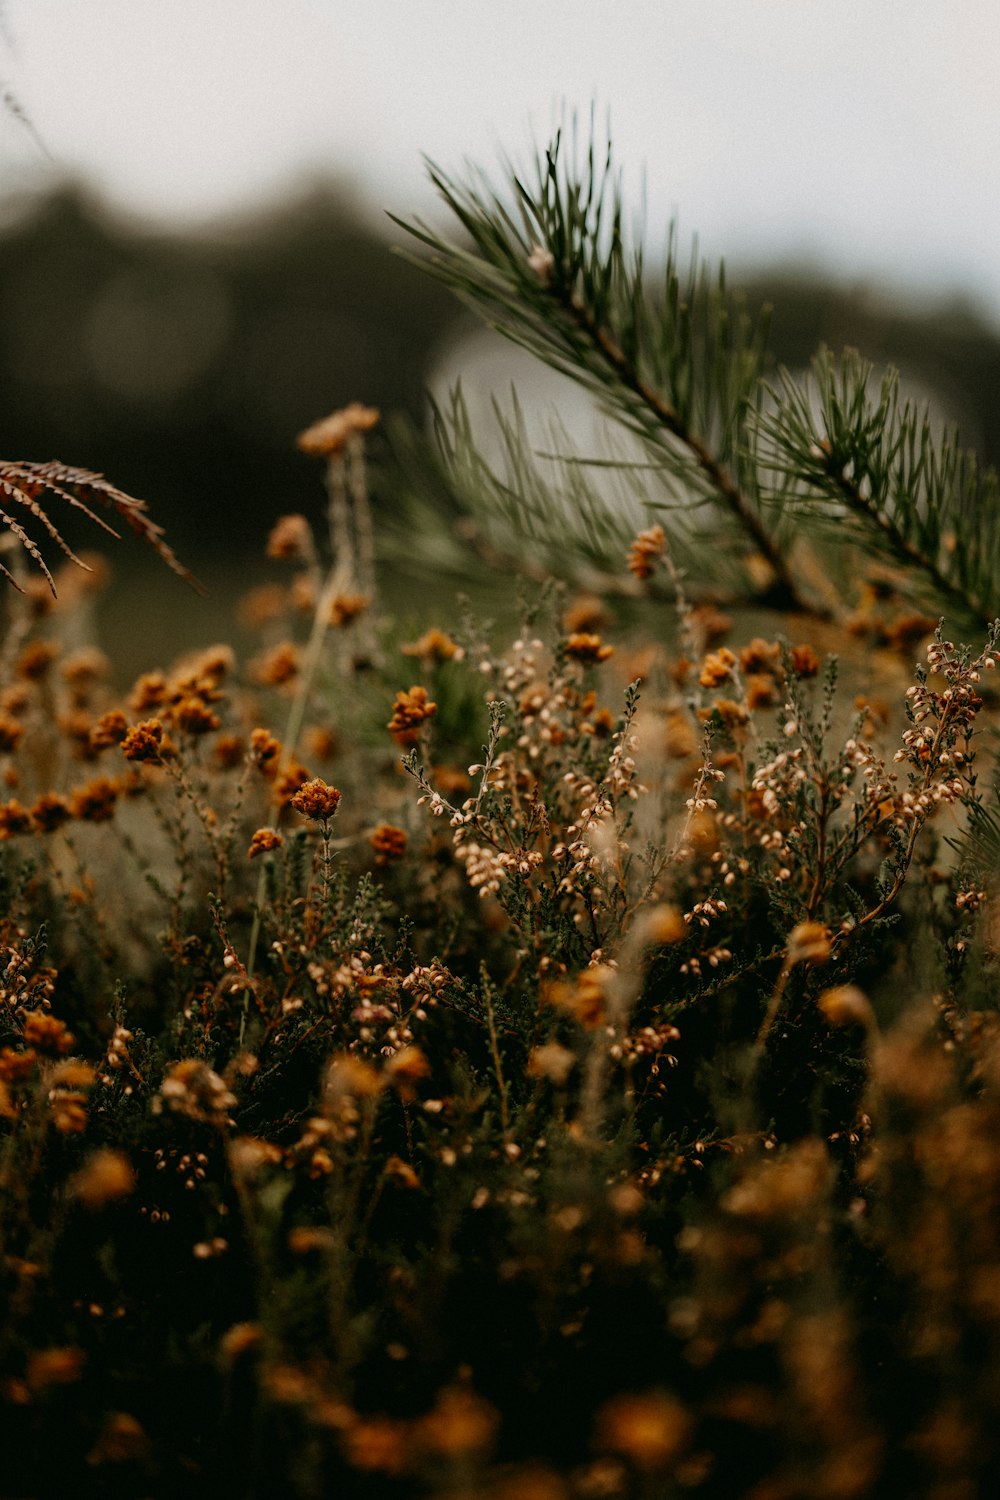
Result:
183,366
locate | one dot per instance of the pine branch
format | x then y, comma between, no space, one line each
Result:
847,458
680,370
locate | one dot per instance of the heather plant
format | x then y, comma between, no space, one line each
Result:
549,1060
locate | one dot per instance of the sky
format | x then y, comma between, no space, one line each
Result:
862,135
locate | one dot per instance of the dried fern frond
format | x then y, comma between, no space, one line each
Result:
23,483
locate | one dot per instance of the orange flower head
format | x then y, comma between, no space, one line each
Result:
263,841
291,537
316,800
585,646
646,551
388,842
144,741
411,709
331,434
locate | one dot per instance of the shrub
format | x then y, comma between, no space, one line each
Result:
566,1067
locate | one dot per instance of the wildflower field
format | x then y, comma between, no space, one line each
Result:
549,1062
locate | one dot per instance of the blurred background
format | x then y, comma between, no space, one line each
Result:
196,259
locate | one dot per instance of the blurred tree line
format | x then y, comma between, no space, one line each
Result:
183,365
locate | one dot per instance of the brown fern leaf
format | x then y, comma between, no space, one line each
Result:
24,482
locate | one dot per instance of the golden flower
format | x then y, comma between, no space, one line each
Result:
264,750
351,1077
228,751
105,1176
316,800
388,842
35,660
68,1108
262,605
277,666
650,1428
14,819
10,733
15,1067
50,812
194,1089
808,943
846,1005
95,801
149,691
47,1034
321,741
329,435
346,607
289,780
804,661
585,997
585,612
760,691
717,668
290,537
585,646
192,716
240,1339
122,1439
110,729
433,645
85,667
552,1061
459,1423
710,623
263,841
663,924
411,708
57,1366
646,551
760,657
377,1444
401,1173
143,741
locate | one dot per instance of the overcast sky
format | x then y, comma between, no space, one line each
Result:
864,134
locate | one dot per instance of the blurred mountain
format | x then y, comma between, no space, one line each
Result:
183,366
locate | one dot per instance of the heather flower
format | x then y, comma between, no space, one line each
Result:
10,733
411,709
804,661
50,812
433,645
584,646
290,537
646,551
264,750
316,800
110,729
144,741
329,436
47,1034
105,1176
277,666
36,659
192,716
263,842
388,842
14,819
347,607
717,668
